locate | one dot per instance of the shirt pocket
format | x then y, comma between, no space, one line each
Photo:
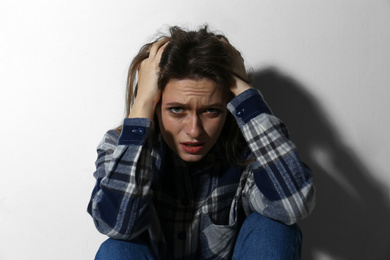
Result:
216,241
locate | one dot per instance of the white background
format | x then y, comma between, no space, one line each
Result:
62,77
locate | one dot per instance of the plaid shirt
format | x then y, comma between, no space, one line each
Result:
146,191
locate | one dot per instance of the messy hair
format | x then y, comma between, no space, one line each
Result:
195,54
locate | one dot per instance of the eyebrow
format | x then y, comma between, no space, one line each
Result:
177,104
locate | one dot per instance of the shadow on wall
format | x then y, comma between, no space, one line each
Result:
352,215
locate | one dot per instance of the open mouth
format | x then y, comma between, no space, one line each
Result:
192,147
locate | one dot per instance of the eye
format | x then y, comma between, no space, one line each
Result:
213,111
176,110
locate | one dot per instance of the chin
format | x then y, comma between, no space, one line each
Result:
191,158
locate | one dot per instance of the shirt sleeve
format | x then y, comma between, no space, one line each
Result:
121,199
278,184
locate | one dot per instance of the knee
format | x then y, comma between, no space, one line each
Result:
118,249
260,236
110,246
260,224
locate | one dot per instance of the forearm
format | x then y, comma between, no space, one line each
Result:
281,185
148,92
122,197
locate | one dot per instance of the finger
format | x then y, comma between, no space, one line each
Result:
157,45
154,58
160,51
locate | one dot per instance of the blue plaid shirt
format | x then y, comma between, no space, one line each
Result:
146,191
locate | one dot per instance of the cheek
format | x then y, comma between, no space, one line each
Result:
214,128
168,125
169,129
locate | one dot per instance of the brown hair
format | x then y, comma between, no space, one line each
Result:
195,55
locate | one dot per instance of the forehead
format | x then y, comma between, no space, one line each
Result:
202,89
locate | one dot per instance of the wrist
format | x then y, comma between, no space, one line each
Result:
240,87
142,109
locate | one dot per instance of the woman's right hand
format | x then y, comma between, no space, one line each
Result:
148,93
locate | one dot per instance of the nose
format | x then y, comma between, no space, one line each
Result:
194,126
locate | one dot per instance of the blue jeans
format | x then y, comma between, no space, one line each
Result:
259,238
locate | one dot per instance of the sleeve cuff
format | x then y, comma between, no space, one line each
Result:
135,131
248,105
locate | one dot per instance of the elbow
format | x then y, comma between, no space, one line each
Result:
117,224
106,219
110,231
303,207
105,223
111,228
289,210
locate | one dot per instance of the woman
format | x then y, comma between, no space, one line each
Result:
200,168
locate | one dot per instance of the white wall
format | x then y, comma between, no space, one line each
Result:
62,75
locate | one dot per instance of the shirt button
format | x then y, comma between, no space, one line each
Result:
182,235
240,112
139,131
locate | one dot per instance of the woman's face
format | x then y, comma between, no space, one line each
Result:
191,116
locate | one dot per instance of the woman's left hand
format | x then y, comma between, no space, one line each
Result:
239,73
238,69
